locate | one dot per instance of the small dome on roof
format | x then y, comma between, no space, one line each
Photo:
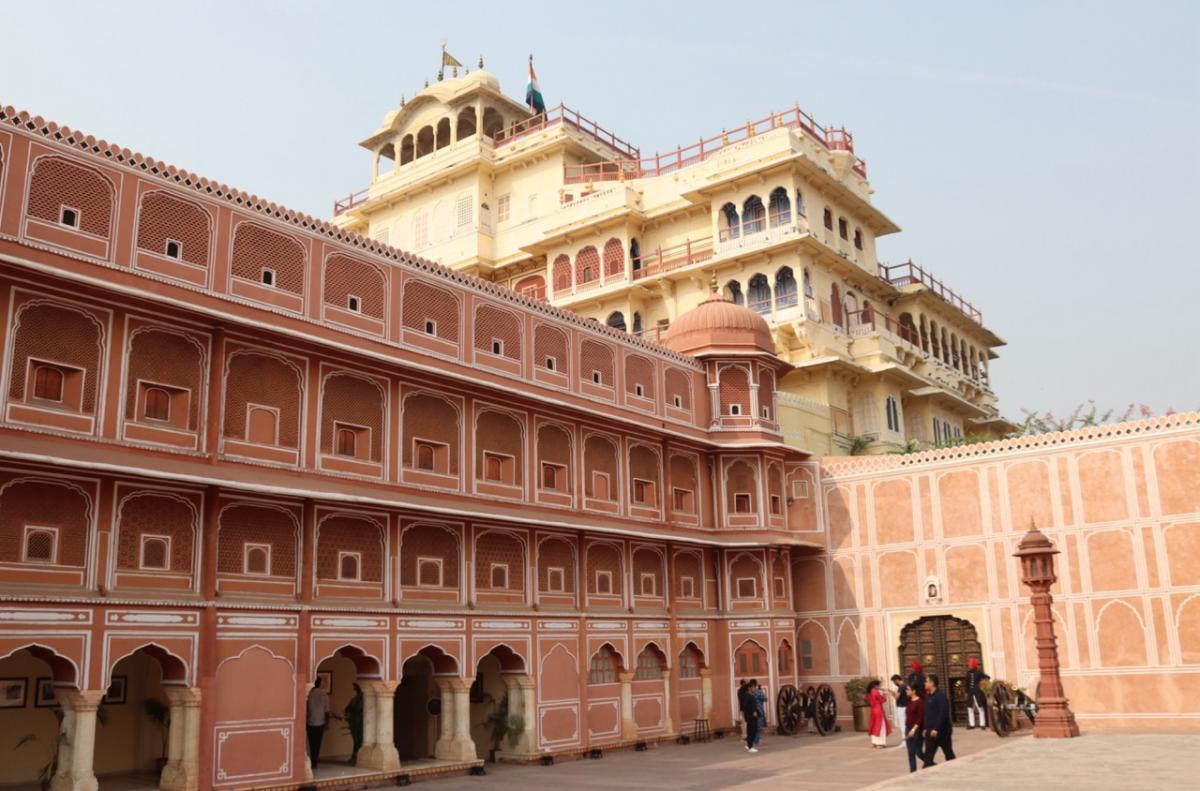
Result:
718,325
483,77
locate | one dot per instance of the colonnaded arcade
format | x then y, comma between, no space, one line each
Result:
241,448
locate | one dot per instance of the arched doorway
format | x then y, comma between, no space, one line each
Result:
33,681
417,709
344,676
942,644
496,697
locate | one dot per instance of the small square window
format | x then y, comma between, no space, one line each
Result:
350,566
497,347
800,490
551,364
641,491
678,401
741,503
268,277
747,588
256,559
597,378
766,413
687,587
604,582
503,207
776,505
735,409
780,588
40,545
554,476
431,456
353,304
497,467
682,500
155,554
429,572
68,216
555,580
648,584
174,249
430,327
499,576
639,391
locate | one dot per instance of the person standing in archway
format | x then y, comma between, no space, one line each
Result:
354,720
316,720
976,704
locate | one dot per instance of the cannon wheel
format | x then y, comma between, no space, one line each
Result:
788,709
826,708
1001,722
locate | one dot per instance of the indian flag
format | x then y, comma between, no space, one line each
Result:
533,94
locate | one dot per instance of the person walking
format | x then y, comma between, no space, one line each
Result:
760,699
914,737
316,720
749,706
354,721
939,728
916,677
880,727
901,707
976,703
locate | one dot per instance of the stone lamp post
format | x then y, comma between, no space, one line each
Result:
1054,717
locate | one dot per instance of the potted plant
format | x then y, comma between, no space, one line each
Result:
502,726
160,714
856,693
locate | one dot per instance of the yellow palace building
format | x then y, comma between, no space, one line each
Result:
777,213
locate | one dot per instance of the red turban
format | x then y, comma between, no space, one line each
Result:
916,666
972,662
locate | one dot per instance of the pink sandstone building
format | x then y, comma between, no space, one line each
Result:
241,448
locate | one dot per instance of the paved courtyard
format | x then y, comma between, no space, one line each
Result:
846,761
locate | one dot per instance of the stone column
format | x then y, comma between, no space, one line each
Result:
82,737
62,776
706,698
628,726
521,702
668,724
379,747
454,741
307,760
441,749
182,772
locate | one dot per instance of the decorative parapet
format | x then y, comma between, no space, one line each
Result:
852,466
110,152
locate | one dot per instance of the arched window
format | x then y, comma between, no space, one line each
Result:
587,265
808,288
349,566
603,669
753,215
758,295
858,239
637,322
649,665
800,204
154,553
733,292
616,320
785,288
828,219
406,150
730,228
48,383
443,133
39,546
347,442
614,259
158,404
780,206
689,662
843,228
562,274
424,141
257,559
466,123
635,254
493,122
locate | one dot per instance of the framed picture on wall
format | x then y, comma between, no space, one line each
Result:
44,696
13,692
116,690
326,677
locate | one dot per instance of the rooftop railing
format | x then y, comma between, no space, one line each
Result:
347,203
681,157
908,273
567,117
670,258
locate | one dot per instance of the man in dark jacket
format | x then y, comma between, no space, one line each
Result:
749,707
938,726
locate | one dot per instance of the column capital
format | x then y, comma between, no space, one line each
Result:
625,677
82,699
181,696
379,686
705,672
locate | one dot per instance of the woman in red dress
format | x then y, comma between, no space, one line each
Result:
880,727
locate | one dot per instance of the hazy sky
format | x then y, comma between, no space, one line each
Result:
1041,158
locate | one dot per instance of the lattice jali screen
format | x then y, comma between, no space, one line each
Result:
688,565
594,356
345,277
495,547
605,557
679,384
775,481
587,265
162,217
550,342
639,371
561,274
253,524
600,455
493,324
346,533
428,541
57,182
554,445
614,258
44,504
746,566
499,432
269,381
56,333
735,389
766,391
424,303
347,398
428,417
166,358
160,515
255,248
533,287
683,472
556,553
739,479
647,561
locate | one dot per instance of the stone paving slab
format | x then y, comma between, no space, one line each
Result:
1100,762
